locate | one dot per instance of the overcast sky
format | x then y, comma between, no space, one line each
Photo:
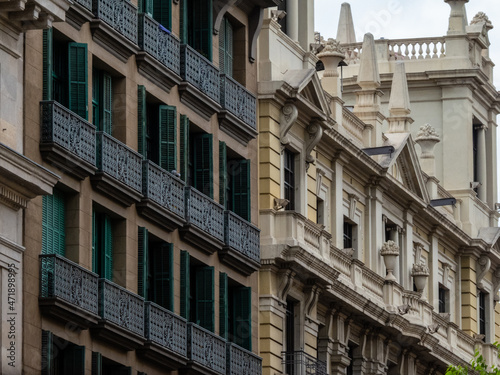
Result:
397,19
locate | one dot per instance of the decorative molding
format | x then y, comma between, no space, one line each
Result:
312,292
496,285
446,274
288,116
12,199
286,276
315,133
353,200
319,179
484,266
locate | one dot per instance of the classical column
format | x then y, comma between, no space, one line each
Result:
292,19
481,161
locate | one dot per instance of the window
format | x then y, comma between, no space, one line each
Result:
350,368
65,73
61,357
197,292
156,269
443,299
105,366
235,312
290,336
102,245
226,37
320,210
289,181
234,182
482,312
348,239
157,131
53,224
160,10
102,100
196,25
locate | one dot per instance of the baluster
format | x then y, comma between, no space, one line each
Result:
442,50
392,52
435,56
420,50
413,50
428,51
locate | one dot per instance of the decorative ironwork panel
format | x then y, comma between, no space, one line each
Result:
205,213
61,278
198,71
238,100
301,363
242,362
121,15
159,43
119,161
206,348
165,328
68,130
86,4
121,307
242,236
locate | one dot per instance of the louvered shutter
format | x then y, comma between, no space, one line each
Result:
184,147
168,137
74,360
226,47
223,305
47,353
162,10
107,103
142,129
107,248
95,242
97,363
146,6
96,99
53,224
77,78
240,189
222,46
223,173
200,26
163,260
203,164
205,297
242,317
48,66
143,262
185,285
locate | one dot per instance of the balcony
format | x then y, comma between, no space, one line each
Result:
160,57
68,291
122,316
201,86
242,239
166,337
115,27
119,172
204,221
301,363
163,199
32,15
238,117
67,140
206,351
241,361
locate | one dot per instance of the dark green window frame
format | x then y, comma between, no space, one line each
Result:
54,223
226,47
202,164
160,10
197,25
102,101
102,245
61,357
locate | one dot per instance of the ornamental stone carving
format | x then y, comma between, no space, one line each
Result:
390,252
481,17
331,55
427,138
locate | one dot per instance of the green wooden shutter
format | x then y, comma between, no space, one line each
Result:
95,241
222,46
200,27
74,360
203,164
142,128
184,147
143,262
226,47
77,78
53,224
146,6
107,103
97,363
242,317
183,21
48,66
96,101
205,298
47,353
162,10
223,173
163,271
168,137
240,188
107,248
223,305
185,285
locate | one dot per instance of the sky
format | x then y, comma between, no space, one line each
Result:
398,19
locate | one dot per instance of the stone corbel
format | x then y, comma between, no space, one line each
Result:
315,133
286,277
353,200
255,20
288,116
484,266
312,294
446,274
219,9
496,285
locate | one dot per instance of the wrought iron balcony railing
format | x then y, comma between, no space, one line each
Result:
67,139
242,236
66,281
166,329
301,363
87,4
121,307
241,361
155,40
238,100
121,15
200,72
206,349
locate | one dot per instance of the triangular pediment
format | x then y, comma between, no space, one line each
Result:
403,164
